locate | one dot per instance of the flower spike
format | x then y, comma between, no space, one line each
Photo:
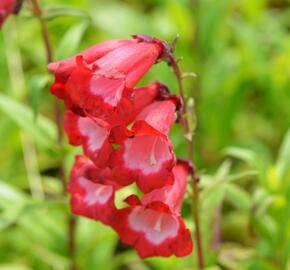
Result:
123,131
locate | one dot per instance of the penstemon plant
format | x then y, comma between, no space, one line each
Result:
98,88
131,195
123,130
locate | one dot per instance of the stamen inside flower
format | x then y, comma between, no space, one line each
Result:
95,133
152,154
158,224
95,193
100,191
137,156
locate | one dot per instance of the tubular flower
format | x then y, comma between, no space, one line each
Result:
8,7
140,99
133,104
98,87
145,155
62,69
144,96
160,115
92,134
153,224
92,191
107,80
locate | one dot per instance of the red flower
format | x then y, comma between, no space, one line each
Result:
172,195
160,115
131,106
92,191
145,154
136,100
99,85
62,69
92,134
98,88
8,7
144,96
153,225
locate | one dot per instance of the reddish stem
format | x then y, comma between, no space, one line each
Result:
185,121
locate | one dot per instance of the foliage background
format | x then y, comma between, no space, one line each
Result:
240,50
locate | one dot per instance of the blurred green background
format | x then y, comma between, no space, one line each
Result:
240,50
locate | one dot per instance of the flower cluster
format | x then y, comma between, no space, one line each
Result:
8,7
123,131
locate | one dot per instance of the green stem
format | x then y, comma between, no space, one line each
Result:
71,224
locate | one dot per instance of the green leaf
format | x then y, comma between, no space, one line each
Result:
71,40
223,170
230,178
239,197
283,162
60,11
9,193
50,257
12,203
95,249
124,15
221,173
245,155
268,227
14,266
262,200
212,198
43,130
37,84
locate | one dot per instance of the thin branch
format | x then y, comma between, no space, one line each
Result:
37,11
185,121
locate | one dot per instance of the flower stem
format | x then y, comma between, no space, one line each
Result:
71,224
185,121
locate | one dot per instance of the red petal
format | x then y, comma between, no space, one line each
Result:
92,134
100,81
144,96
146,158
153,233
110,90
160,115
92,199
131,61
119,134
133,200
171,195
98,95
64,67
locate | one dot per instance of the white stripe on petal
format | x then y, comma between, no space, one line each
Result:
95,193
95,133
156,226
